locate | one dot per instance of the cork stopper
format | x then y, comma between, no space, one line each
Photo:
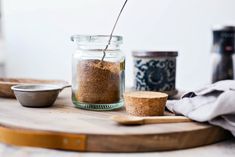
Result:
145,103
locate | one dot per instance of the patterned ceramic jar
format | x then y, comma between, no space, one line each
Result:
155,71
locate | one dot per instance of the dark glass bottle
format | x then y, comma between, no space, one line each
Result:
223,53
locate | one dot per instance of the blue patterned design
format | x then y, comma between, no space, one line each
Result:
155,75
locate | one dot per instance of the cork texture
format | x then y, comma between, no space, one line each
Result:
145,103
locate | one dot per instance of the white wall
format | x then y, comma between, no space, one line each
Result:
37,33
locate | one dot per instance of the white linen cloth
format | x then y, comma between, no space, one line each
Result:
214,103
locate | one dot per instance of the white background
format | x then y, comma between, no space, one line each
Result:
37,33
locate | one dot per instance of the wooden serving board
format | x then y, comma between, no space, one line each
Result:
65,127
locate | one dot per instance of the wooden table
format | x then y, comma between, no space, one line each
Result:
221,149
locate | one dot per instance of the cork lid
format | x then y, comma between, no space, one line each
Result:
154,53
145,94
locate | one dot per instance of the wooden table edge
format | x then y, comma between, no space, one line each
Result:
100,142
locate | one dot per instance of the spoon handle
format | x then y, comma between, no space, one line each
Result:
165,119
65,86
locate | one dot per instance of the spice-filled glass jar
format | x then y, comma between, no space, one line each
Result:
98,77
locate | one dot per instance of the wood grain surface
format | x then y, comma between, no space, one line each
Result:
64,127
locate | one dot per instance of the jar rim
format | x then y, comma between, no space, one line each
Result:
98,39
230,28
154,53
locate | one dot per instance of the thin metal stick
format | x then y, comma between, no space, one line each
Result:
111,35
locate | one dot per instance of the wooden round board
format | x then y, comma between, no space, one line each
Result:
65,127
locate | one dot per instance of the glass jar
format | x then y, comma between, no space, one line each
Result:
98,84
155,71
223,53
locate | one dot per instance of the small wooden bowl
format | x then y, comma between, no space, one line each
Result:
145,103
7,83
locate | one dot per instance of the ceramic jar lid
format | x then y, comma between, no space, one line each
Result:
154,53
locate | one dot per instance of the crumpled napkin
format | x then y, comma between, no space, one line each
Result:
214,103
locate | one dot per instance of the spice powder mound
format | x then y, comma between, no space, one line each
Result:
99,82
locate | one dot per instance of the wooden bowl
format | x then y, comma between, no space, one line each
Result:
7,83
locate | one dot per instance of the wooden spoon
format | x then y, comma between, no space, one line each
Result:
132,120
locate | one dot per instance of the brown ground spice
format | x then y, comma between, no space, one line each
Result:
99,83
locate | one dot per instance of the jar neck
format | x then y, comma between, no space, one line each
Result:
93,47
97,42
